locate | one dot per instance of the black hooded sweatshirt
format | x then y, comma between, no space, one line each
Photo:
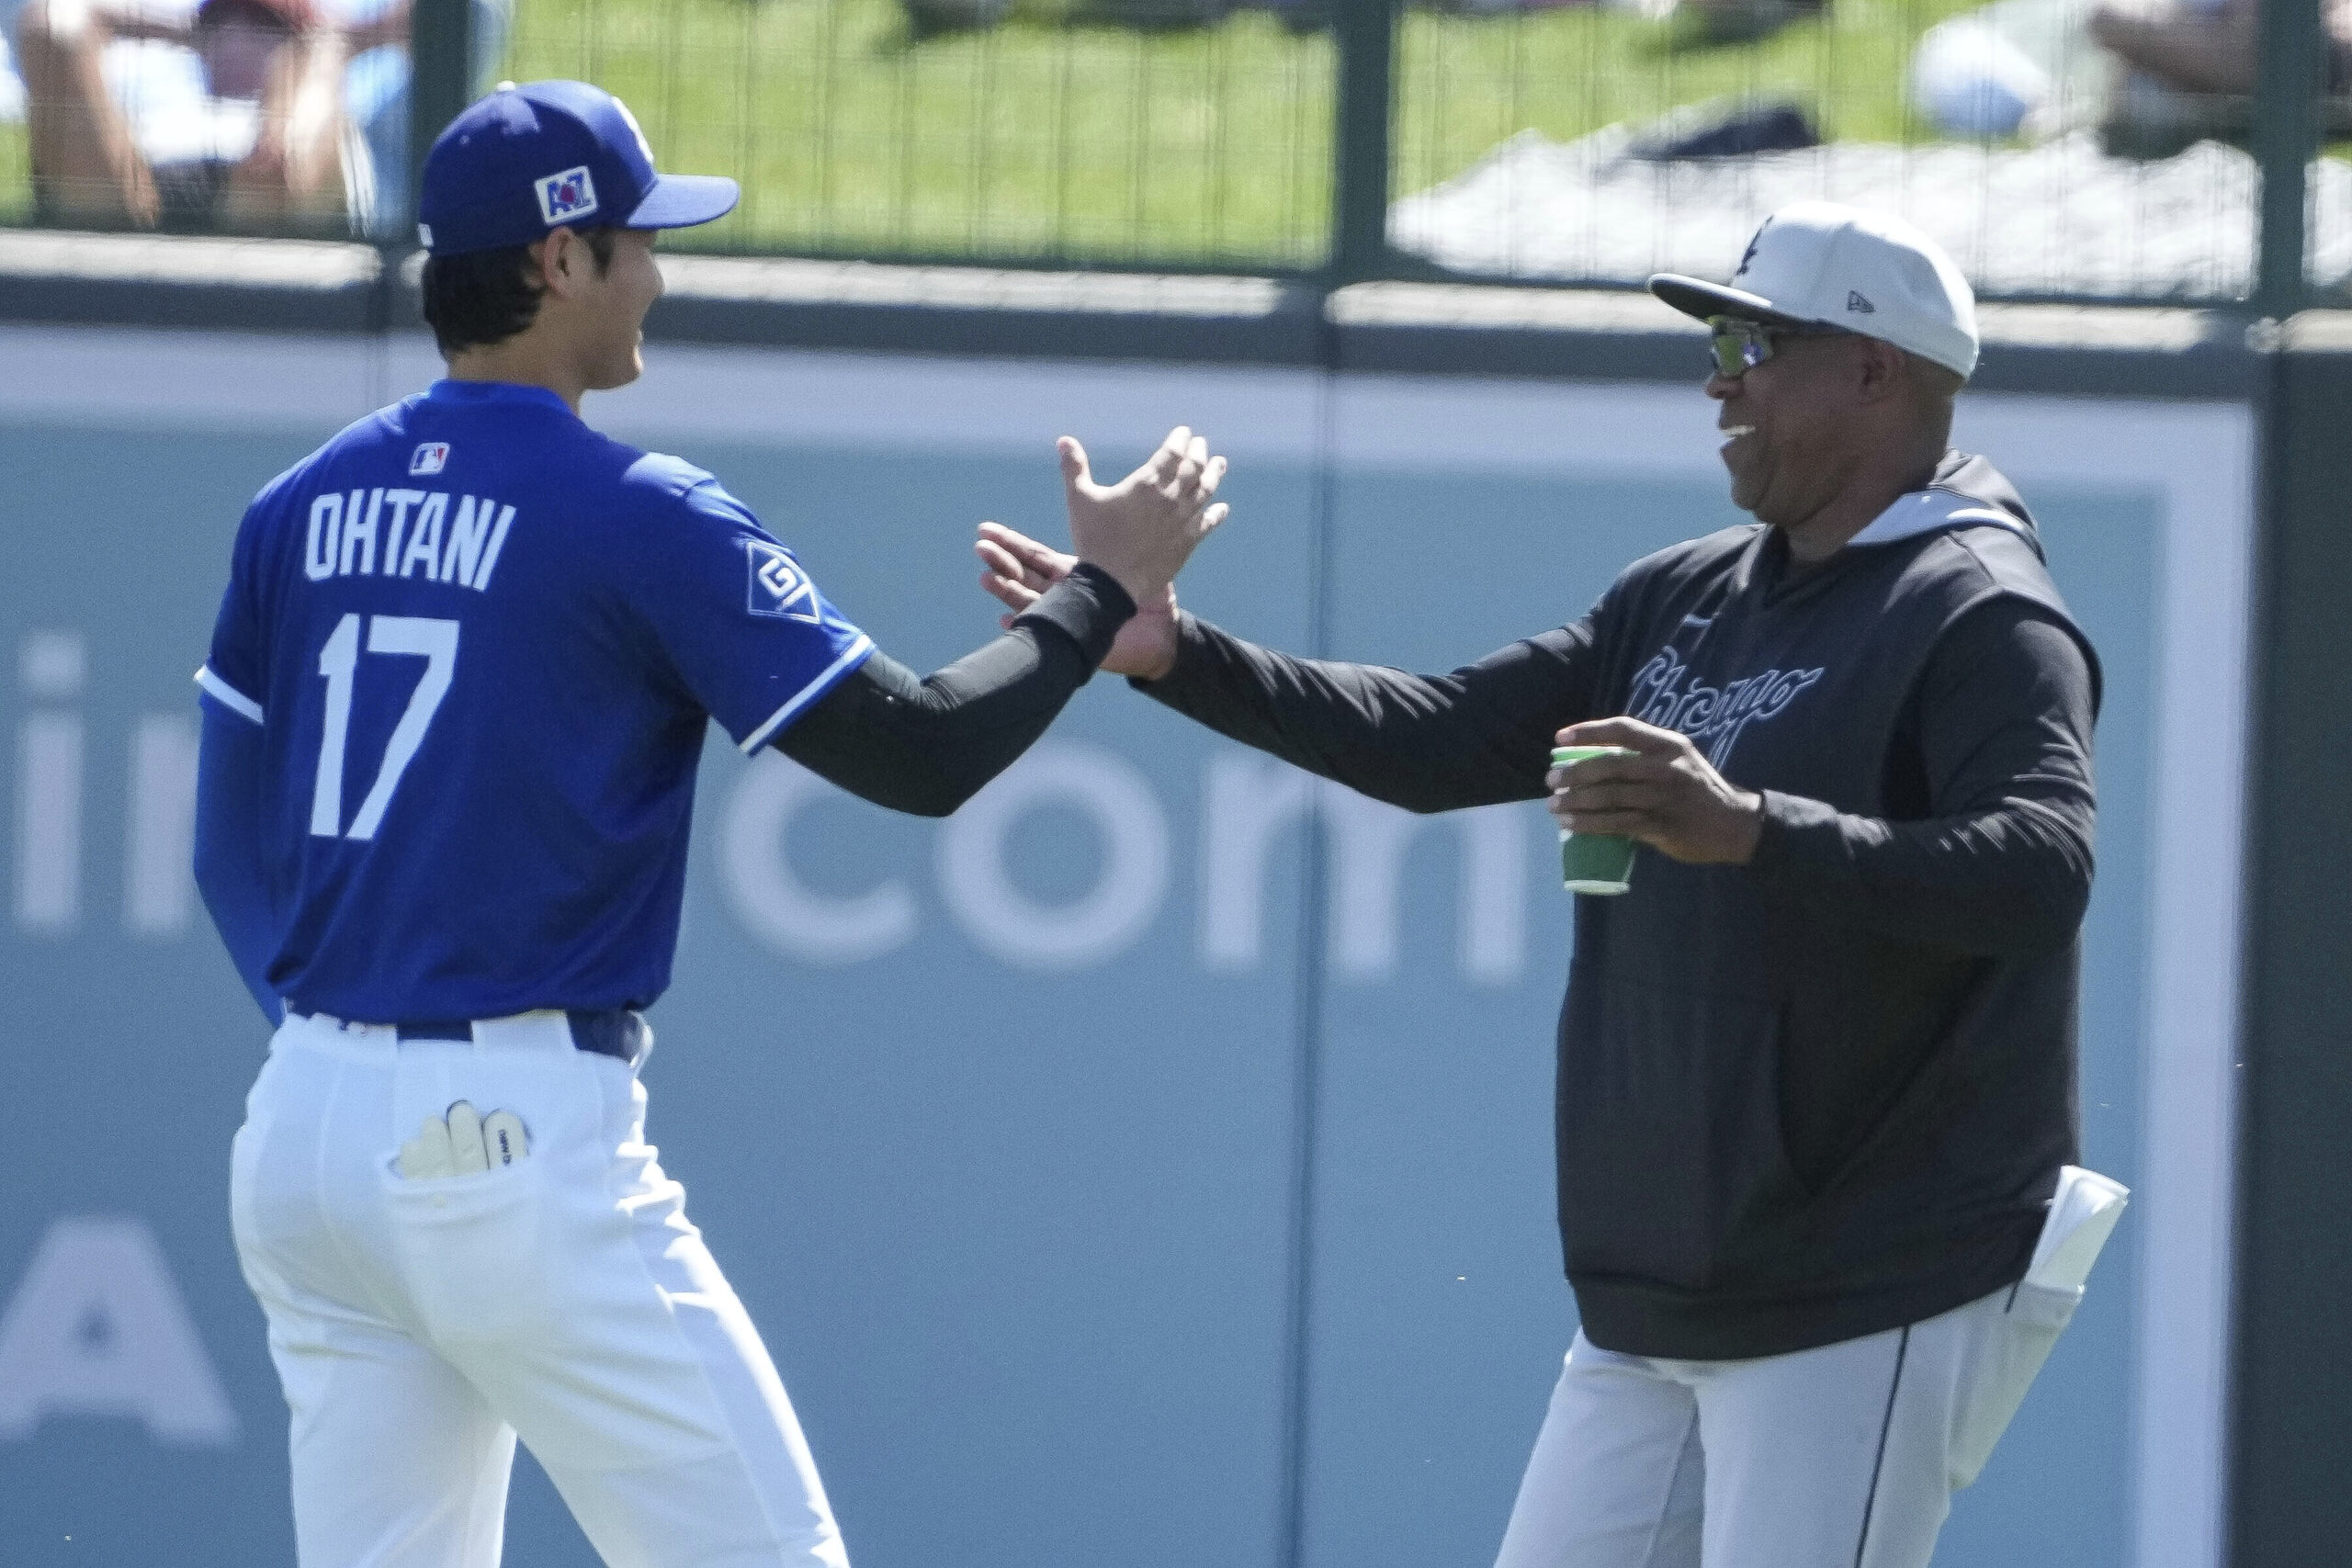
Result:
1825,1093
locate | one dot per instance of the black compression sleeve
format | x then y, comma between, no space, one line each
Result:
1480,735
927,745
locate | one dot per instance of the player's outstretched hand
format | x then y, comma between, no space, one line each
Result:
1144,528
1669,796
1019,569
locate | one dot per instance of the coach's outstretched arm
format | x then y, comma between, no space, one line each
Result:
1996,861
927,744
1477,736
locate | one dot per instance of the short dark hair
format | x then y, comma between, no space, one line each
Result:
480,298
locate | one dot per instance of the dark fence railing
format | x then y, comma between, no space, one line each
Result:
2091,149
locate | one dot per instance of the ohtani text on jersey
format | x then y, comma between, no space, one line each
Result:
405,533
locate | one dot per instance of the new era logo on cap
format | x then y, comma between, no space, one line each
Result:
429,459
567,196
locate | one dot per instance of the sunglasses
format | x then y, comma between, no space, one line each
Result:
1741,345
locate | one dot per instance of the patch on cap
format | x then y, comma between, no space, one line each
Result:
566,195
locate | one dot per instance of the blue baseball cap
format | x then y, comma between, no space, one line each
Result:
529,159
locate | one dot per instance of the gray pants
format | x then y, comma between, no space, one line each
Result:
1841,1457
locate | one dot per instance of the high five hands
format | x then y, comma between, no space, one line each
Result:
1668,795
1141,531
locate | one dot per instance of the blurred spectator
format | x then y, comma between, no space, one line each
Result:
1726,128
1738,21
2191,70
929,16
159,135
926,18
376,99
2015,68
2154,76
2191,49
261,146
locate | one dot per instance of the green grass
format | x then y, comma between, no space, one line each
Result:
1031,140
16,188
1042,139
1468,83
1047,138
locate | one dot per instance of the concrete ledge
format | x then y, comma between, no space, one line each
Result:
979,310
793,303
1596,335
1398,328
1476,329
984,311
2118,351
2317,332
178,280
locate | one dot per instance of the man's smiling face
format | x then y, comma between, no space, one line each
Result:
1786,423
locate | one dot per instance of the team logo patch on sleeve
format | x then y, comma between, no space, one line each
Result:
567,196
779,588
430,458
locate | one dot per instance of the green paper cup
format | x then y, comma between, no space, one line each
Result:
1593,862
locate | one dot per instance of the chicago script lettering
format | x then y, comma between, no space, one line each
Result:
1713,717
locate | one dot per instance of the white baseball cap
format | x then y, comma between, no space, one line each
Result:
1818,262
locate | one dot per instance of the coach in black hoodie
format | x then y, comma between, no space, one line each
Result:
1817,1067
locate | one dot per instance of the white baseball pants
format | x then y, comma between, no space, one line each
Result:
420,1324
1841,1457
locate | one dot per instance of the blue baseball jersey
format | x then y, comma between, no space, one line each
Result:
482,643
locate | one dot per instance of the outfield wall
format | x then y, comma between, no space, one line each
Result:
1114,1178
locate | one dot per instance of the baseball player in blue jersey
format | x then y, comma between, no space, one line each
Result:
453,708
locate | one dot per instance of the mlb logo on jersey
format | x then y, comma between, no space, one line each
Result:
430,458
779,588
567,196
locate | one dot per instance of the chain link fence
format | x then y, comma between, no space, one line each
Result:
2062,148
866,128
2033,138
